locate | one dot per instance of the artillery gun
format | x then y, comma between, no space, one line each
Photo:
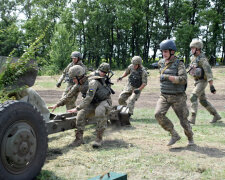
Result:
24,135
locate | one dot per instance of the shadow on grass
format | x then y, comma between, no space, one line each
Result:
47,175
211,152
114,144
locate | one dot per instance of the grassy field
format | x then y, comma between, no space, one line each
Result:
140,150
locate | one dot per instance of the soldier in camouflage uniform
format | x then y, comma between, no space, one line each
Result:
201,71
96,101
136,83
76,60
173,81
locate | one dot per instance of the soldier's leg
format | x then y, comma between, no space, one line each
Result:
181,110
124,95
210,108
196,93
161,109
133,98
80,125
101,118
35,99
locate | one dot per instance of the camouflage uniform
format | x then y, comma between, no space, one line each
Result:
31,96
173,95
70,104
200,84
129,89
96,103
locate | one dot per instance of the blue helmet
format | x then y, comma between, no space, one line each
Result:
168,45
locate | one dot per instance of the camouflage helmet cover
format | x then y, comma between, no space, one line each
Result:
136,60
75,71
168,44
197,43
104,67
76,54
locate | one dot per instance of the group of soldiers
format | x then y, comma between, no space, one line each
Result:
96,91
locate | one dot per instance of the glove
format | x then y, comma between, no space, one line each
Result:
137,91
164,77
119,79
212,89
58,84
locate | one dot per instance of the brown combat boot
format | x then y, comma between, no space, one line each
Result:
215,118
175,137
98,142
193,118
79,138
191,141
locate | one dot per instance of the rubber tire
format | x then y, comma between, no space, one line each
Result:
12,112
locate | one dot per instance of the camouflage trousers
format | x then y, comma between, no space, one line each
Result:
199,93
70,104
98,111
128,93
178,103
31,96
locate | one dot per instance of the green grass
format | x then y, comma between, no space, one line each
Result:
140,150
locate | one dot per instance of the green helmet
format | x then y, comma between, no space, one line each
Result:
197,43
76,71
104,67
76,54
136,60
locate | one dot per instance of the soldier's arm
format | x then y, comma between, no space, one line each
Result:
126,72
68,96
65,71
181,77
207,69
144,80
92,87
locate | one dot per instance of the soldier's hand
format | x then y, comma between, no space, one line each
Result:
137,91
164,77
212,89
119,79
53,107
58,85
72,110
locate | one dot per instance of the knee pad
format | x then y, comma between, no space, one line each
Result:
193,98
204,102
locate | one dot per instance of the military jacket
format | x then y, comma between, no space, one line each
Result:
66,70
139,72
202,62
174,68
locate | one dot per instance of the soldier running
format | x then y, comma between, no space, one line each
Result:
173,81
201,71
137,80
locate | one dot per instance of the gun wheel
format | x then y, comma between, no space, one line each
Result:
23,141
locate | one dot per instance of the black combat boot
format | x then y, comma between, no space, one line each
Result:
98,142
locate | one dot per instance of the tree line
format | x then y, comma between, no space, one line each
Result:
109,30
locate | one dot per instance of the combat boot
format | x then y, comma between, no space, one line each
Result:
191,141
193,118
175,137
98,142
215,118
79,138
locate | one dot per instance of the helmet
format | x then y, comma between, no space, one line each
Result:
104,67
76,54
168,45
75,71
197,43
136,60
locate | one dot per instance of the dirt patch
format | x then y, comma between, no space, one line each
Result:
147,100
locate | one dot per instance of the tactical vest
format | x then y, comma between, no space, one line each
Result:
102,93
166,86
135,78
